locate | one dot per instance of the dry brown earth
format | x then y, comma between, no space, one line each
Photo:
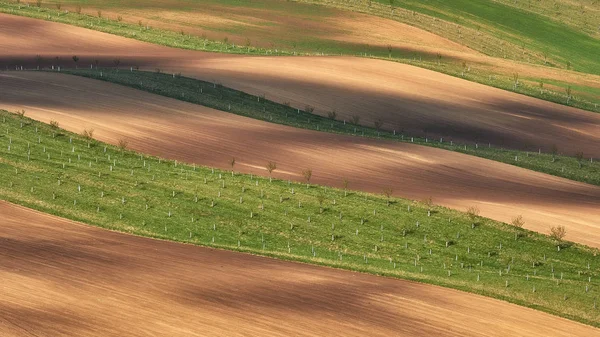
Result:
406,98
178,130
62,278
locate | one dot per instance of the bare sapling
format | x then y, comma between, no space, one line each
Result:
428,203
332,114
518,223
248,43
271,166
554,151
378,124
568,92
307,174
38,60
558,233
88,134
473,213
579,157
346,182
122,144
232,164
75,59
388,191
355,119
321,200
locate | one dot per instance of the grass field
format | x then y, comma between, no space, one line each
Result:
76,177
259,37
522,28
222,98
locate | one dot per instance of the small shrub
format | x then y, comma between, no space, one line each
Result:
309,109
119,18
427,202
355,119
518,221
88,134
473,212
58,5
38,3
20,113
99,14
78,9
307,174
271,166
558,233
54,124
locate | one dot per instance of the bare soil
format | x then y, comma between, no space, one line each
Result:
406,98
62,278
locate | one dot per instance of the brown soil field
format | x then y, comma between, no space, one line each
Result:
173,129
63,278
405,98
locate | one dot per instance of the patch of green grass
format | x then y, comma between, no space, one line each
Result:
66,174
304,46
216,96
522,29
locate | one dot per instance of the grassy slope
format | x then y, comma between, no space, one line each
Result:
226,99
582,15
481,73
65,174
517,26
